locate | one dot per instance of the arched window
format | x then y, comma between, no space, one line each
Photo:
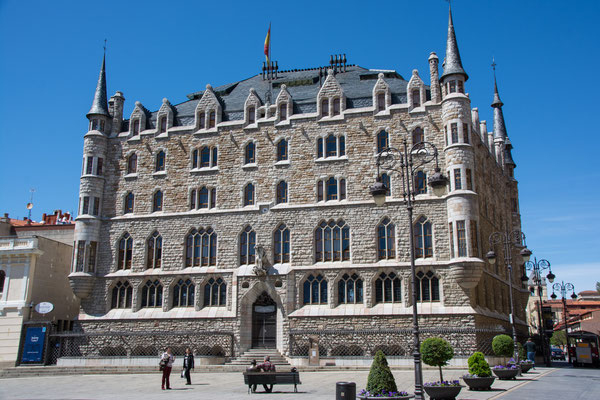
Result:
380,101
128,205
132,164
160,161
154,256
125,251
215,293
325,108
428,287
423,239
315,290
281,195
183,293
157,201
247,243
331,146
193,200
205,157
2,279
350,289
331,189
249,195
421,182
250,153
203,198
332,241
212,119
385,179
388,288
283,111
383,141
418,136
152,293
121,295
201,248
282,150
320,148
203,201
281,240
386,233
336,106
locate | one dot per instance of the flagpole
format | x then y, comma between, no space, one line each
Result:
270,70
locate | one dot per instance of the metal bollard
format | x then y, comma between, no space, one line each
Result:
345,391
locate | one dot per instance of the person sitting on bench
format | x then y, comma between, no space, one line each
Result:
267,366
253,368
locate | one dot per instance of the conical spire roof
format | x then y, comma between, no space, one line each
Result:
499,125
452,63
508,160
100,104
497,102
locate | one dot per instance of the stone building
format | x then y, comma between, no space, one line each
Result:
242,217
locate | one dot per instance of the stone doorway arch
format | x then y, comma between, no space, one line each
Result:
261,318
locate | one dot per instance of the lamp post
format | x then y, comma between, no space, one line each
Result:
405,162
509,239
564,288
537,267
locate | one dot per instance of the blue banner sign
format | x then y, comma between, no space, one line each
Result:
33,349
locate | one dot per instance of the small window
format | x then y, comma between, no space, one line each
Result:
85,208
446,136
380,101
428,287
350,289
202,120
315,290
80,256
451,232
457,179
466,133
129,200
320,148
452,87
125,252
160,161
421,182
320,185
332,189
250,153
474,241
157,201
215,293
461,236
99,166
249,195
96,206
152,293
92,250
195,156
418,136
385,240
162,124
183,293
122,295
282,150
136,127
215,156
332,242
193,195
383,141
154,255
325,108
461,87
251,115
283,111
342,146
281,241
388,288
469,179
89,165
416,98
336,106
423,238
212,119
132,164
387,182
247,243
331,146
454,129
281,195
205,157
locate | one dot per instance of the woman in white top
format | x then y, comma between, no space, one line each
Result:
168,358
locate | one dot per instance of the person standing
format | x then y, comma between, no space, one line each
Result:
188,364
267,366
168,359
530,349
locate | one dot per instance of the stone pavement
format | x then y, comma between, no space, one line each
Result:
230,385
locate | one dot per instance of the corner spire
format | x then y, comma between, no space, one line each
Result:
499,125
100,104
497,102
452,63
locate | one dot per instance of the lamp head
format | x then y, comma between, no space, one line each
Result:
491,256
524,278
550,277
573,296
378,191
526,254
553,296
438,182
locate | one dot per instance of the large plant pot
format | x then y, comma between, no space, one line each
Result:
505,374
479,383
442,392
526,367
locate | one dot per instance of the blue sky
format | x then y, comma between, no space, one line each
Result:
547,54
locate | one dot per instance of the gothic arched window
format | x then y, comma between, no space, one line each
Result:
281,193
249,195
386,233
154,245
350,289
157,201
152,293
315,290
388,288
282,150
332,241
281,241
160,161
129,202
183,293
132,164
423,238
125,251
421,182
247,243
215,293
250,153
201,248
428,287
122,295
418,136
383,141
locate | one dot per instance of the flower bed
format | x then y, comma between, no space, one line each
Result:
384,395
505,372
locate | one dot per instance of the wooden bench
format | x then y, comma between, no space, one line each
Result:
271,378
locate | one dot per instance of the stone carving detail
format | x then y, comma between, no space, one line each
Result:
262,263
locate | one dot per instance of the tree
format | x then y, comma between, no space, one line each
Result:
598,287
559,338
436,352
503,345
380,377
478,366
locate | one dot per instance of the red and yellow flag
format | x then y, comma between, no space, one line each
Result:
268,44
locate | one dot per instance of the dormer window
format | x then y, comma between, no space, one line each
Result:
282,111
202,120
251,115
381,101
212,119
416,98
162,124
325,108
136,127
336,106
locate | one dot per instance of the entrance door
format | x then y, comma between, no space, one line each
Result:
264,322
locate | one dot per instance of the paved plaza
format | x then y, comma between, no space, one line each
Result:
315,386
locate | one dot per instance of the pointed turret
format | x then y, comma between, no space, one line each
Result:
508,160
452,63
499,126
100,104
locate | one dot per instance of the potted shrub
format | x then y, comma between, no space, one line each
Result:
381,383
436,352
503,346
524,363
480,375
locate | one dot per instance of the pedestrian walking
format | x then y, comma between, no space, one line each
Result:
166,363
188,364
530,350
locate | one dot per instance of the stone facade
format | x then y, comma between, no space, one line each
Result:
470,303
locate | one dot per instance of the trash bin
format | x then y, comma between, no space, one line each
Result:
345,391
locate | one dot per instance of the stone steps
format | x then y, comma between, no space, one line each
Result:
259,354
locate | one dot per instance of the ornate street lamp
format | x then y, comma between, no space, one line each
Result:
564,288
406,162
537,267
509,239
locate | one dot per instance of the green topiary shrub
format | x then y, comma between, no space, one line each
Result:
380,377
503,345
521,352
478,366
436,352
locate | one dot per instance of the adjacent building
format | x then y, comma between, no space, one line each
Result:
242,217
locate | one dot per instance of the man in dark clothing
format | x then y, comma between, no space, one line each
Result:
188,364
530,349
267,366
253,368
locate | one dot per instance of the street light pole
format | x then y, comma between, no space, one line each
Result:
509,239
405,163
564,288
537,267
